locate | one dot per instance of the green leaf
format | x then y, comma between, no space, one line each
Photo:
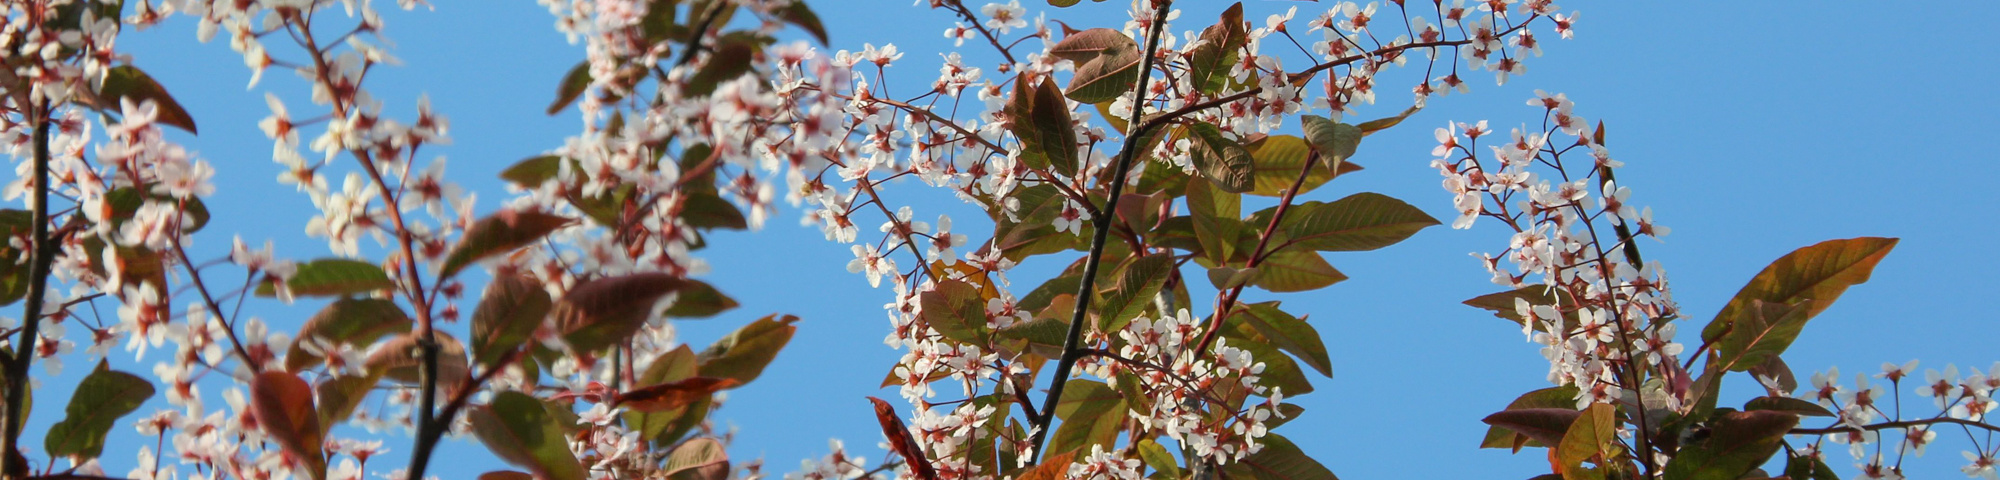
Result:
1809,468
349,321
1107,62
1157,457
1334,141
1737,443
743,354
602,312
1380,124
1552,397
1225,277
1209,63
572,86
125,202
1588,436
1761,334
1813,276
510,310
698,458
1034,234
532,172
339,396
708,210
1220,159
1092,414
1279,460
1217,222
1296,271
1139,279
1790,405
94,408
1363,221
499,234
283,405
730,58
700,300
956,311
1039,117
130,83
1276,162
1042,295
518,429
674,366
1288,333
329,277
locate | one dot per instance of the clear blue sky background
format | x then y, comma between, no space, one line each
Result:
1751,128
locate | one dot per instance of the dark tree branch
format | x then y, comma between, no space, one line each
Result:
1072,346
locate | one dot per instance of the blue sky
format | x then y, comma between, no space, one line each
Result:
1751,128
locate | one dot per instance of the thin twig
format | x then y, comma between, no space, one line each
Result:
24,349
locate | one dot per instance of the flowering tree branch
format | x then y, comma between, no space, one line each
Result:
1073,348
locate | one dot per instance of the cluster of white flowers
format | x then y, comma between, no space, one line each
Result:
1597,312
1967,398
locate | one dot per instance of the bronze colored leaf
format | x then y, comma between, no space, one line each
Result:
599,313
283,404
672,395
499,234
900,441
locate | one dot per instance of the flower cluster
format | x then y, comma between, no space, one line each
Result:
1600,315
1866,413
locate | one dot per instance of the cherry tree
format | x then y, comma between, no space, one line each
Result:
1122,148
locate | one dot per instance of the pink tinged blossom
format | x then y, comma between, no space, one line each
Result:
1003,18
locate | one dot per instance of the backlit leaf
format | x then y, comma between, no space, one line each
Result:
499,234
1139,279
956,311
572,86
1363,221
400,359
284,407
1288,333
351,321
518,429
1210,62
510,310
129,83
1335,141
1546,425
900,441
1039,116
1092,414
94,408
328,277
1279,460
1588,436
701,458
1814,275
1737,443
1220,159
673,395
1276,162
1764,332
1296,271
699,300
743,354
1107,62
602,312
